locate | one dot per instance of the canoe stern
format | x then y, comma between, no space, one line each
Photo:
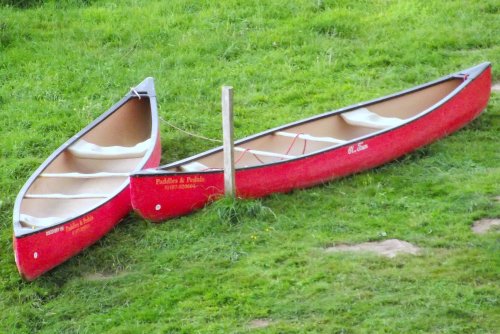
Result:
39,252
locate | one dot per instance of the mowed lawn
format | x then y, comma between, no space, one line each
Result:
62,63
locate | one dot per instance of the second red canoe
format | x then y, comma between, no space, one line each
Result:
318,149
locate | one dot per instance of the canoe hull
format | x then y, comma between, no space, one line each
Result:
36,253
163,195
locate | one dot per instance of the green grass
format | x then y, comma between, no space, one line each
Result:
64,63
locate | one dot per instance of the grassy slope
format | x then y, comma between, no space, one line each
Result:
62,65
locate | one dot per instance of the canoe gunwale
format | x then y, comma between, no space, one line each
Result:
469,75
147,91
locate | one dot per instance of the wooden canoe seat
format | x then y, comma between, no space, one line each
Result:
66,196
84,149
194,167
311,138
83,175
264,153
366,118
34,222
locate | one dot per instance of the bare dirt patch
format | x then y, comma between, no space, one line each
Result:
259,323
482,226
495,87
389,248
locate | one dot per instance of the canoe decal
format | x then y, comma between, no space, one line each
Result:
188,182
79,225
54,230
357,148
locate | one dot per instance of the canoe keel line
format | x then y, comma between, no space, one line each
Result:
82,190
318,149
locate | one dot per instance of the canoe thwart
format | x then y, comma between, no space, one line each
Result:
264,153
366,118
84,149
311,138
84,175
194,167
66,196
35,222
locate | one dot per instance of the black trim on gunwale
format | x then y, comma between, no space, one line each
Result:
468,75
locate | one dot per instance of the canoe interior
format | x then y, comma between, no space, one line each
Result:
270,148
129,125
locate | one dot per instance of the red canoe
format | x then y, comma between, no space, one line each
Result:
82,190
319,148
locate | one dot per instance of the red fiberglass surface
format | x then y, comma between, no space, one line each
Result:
163,195
39,252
